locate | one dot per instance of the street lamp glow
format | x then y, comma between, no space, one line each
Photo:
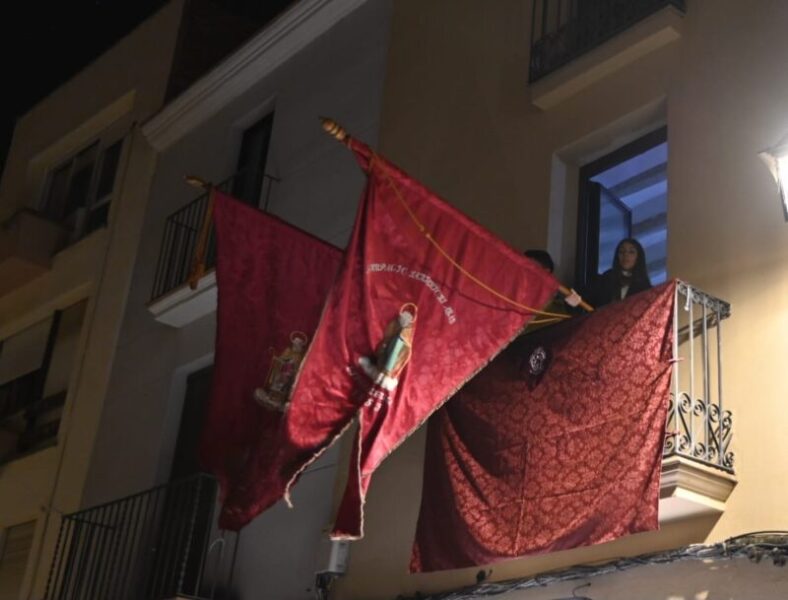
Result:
777,161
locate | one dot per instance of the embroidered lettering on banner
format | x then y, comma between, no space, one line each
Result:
448,311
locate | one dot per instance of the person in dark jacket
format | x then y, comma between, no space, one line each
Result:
627,276
560,304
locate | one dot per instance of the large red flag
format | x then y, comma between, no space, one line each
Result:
424,299
557,444
272,283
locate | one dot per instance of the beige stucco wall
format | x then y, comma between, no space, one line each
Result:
457,115
114,94
74,114
339,73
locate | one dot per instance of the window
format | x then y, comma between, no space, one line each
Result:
23,353
15,544
195,402
624,194
80,190
99,212
36,366
250,172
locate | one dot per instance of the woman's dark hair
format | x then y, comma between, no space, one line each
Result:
542,257
640,272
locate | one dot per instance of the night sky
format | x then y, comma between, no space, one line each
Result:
45,42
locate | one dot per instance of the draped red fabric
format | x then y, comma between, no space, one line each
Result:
405,325
272,283
556,444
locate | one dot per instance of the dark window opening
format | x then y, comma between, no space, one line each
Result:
250,172
81,178
198,390
55,207
180,495
109,164
624,195
99,210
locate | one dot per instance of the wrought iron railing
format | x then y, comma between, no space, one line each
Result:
698,427
562,30
182,230
161,543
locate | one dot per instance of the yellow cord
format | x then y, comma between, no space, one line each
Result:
476,280
545,321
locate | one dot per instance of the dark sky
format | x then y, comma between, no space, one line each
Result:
45,42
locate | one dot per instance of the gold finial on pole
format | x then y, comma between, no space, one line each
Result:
335,130
197,182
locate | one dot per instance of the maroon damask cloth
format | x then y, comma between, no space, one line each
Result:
556,444
424,299
272,282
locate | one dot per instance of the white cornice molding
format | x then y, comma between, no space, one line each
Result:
183,305
679,472
280,40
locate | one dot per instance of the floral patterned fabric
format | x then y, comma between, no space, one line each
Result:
556,444
404,326
272,282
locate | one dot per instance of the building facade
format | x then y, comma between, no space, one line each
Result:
557,124
72,202
251,126
665,105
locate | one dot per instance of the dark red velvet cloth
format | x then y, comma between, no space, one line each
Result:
524,462
460,325
272,280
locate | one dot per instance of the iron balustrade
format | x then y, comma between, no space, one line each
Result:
182,231
562,30
161,543
698,426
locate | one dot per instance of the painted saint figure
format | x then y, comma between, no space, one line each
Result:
281,374
394,350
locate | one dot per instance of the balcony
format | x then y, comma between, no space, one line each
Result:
173,302
159,544
698,463
575,43
27,244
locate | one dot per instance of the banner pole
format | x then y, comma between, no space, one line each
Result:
335,130
339,133
583,304
201,248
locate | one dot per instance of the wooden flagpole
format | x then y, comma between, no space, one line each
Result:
201,248
339,133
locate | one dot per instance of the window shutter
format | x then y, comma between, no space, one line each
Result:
15,545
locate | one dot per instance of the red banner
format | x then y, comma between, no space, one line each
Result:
557,444
272,283
425,298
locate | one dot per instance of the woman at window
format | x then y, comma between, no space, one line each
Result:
627,276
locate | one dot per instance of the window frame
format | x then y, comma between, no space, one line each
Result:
80,226
587,245
243,173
